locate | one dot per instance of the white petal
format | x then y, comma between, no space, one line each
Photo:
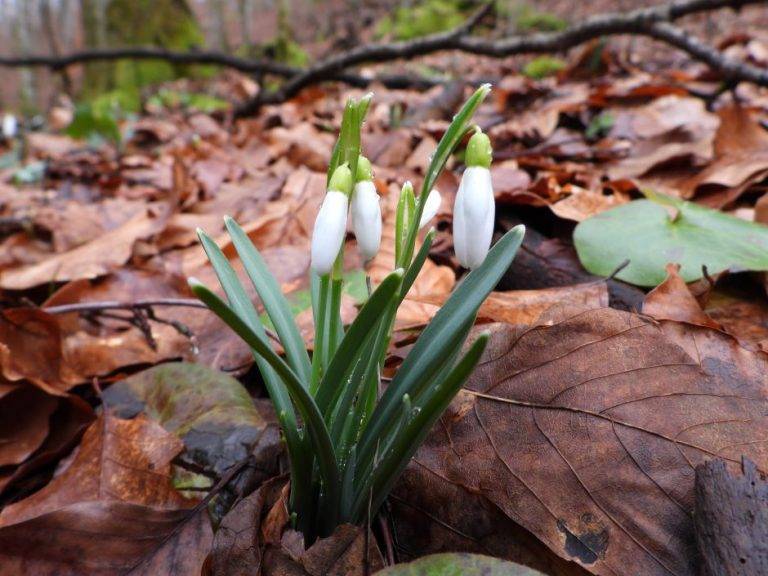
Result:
366,218
431,206
328,234
474,212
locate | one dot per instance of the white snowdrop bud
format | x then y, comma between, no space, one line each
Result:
431,206
331,222
366,211
474,211
10,126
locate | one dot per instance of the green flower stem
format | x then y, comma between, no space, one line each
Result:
321,332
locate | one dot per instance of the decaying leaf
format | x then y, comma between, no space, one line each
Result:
586,430
112,509
212,413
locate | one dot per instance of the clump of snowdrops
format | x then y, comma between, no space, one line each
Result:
348,438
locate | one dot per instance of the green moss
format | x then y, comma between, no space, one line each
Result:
542,67
531,20
423,18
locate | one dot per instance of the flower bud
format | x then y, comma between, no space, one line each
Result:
474,211
331,222
366,211
10,126
431,206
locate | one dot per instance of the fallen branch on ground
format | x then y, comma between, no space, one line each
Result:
654,22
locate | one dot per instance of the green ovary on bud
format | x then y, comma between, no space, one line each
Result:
479,150
364,170
341,180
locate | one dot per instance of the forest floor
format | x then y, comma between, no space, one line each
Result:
573,448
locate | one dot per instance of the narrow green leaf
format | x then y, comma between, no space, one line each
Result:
417,264
397,457
429,352
354,340
313,420
274,301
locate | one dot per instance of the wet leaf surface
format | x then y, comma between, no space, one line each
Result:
209,411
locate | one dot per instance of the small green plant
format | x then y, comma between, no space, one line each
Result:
175,99
542,67
600,125
347,438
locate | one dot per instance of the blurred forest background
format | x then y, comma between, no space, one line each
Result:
290,31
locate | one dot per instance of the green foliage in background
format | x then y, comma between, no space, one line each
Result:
175,99
542,67
164,23
423,18
528,19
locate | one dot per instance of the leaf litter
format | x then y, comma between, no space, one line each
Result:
572,449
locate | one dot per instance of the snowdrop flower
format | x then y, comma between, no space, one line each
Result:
331,222
474,211
366,211
10,126
431,206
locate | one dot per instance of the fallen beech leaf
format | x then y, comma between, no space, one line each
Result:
586,431
247,544
526,306
582,204
96,258
212,413
67,424
111,510
671,300
743,315
741,159
24,414
458,564
31,349
644,233
669,128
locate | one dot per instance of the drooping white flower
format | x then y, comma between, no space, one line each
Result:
10,126
366,211
431,206
331,222
475,208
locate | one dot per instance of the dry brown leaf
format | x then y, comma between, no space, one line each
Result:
670,128
31,349
526,306
741,159
111,510
96,258
582,204
24,414
586,431
672,300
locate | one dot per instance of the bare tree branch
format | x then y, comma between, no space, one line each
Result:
654,22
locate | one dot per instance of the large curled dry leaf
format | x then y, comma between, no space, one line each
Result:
112,510
586,431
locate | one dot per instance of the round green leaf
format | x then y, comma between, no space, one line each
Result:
654,232
210,411
458,564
